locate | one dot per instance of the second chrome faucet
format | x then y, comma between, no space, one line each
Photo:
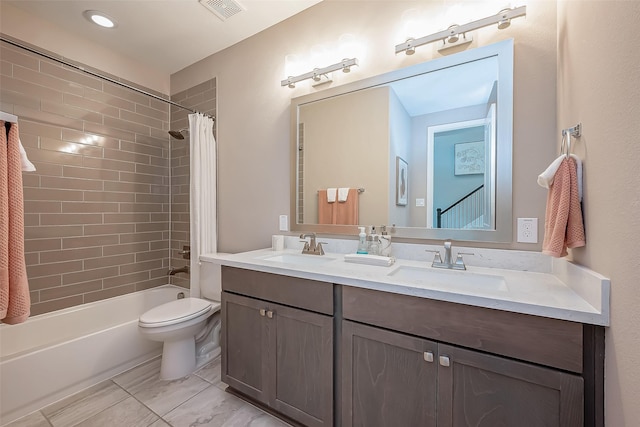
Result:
448,262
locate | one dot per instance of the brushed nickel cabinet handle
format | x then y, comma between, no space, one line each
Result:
263,312
444,361
428,356
270,314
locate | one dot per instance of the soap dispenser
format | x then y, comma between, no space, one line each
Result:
362,242
385,242
373,242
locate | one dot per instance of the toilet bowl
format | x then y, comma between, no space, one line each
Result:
177,324
188,327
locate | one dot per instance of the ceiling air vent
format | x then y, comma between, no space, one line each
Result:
223,9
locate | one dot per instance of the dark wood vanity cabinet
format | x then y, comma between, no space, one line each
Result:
401,360
399,364
483,390
390,378
275,354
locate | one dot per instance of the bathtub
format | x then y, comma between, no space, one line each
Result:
56,354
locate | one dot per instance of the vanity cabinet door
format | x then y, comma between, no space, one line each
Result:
388,378
279,356
245,346
302,365
482,390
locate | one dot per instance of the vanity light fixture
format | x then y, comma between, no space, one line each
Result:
455,34
99,18
317,74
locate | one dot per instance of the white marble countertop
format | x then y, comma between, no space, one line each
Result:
567,292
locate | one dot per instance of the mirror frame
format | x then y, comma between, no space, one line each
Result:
503,232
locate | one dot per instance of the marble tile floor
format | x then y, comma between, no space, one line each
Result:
138,398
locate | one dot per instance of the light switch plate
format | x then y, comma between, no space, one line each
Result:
528,230
419,202
284,223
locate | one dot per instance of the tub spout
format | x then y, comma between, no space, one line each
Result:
173,271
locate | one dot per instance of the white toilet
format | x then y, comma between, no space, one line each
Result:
188,327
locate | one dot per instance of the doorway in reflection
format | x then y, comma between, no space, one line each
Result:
460,185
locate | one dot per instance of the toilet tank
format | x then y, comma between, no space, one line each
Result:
210,280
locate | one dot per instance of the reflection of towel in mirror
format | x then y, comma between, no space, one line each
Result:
545,179
331,194
343,193
563,226
325,209
343,213
347,212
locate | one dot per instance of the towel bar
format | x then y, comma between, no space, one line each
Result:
567,133
360,190
575,131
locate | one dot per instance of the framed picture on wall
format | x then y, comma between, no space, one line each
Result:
402,182
469,158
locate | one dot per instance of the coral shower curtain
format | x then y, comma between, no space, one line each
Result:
203,216
14,288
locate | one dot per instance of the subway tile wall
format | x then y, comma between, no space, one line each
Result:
97,208
300,206
201,98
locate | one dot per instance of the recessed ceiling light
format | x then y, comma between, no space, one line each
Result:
99,18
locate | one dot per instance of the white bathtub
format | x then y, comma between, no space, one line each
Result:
56,354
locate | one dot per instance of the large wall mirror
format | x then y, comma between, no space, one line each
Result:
427,148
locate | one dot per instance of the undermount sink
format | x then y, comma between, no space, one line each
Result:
450,279
299,259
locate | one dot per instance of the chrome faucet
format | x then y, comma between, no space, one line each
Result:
447,252
448,262
174,271
312,247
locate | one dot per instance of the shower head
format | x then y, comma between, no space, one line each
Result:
178,134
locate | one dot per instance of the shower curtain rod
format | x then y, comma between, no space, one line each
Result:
100,76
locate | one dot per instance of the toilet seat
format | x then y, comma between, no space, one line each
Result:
175,312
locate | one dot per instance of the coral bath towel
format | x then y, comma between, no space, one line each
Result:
347,211
325,209
14,288
563,226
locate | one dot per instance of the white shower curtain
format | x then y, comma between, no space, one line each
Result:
202,194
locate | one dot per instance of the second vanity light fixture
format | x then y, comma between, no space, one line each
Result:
317,73
455,34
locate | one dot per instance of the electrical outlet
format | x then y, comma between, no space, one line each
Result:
284,223
528,230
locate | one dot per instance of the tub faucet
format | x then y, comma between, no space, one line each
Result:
174,271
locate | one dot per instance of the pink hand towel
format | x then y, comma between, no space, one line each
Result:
4,225
18,305
347,212
325,209
563,226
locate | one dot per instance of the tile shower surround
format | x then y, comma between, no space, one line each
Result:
201,98
97,210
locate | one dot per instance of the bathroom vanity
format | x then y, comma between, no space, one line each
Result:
277,339
323,342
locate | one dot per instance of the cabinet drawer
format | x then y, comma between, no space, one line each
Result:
549,342
301,293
